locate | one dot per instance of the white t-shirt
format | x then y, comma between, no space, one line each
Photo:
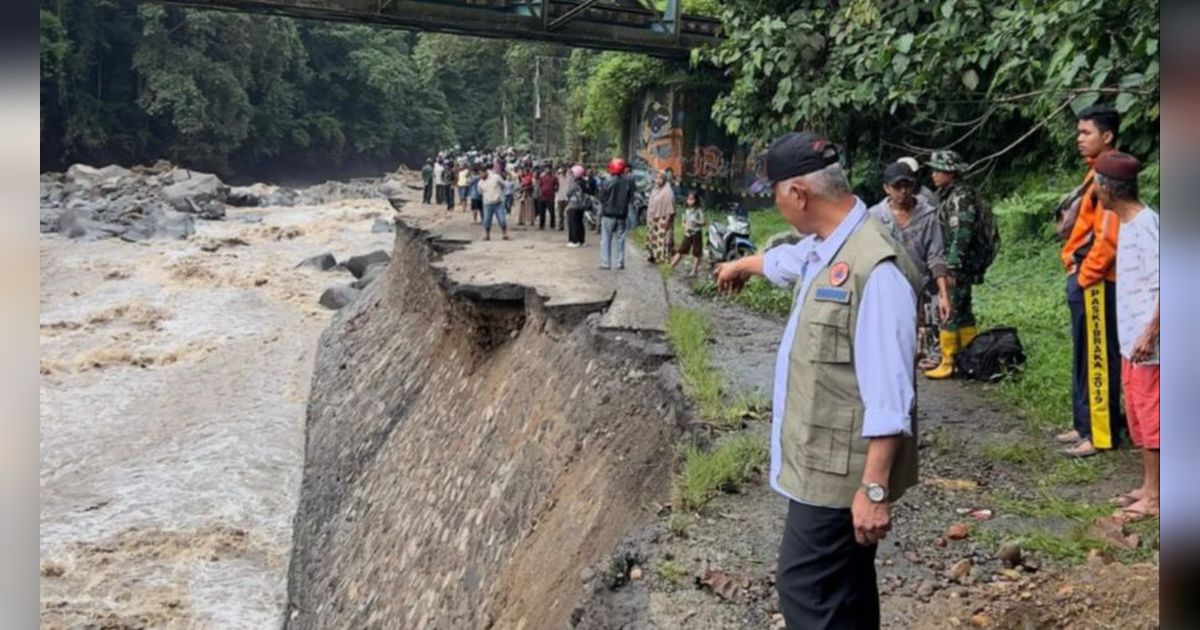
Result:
1137,279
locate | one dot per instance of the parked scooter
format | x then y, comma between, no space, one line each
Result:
731,240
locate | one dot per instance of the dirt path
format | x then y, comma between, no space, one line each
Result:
174,382
733,542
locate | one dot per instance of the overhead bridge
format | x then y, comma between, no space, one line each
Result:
626,25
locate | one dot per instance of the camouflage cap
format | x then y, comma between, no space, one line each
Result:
947,160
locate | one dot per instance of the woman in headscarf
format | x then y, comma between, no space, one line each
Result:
660,220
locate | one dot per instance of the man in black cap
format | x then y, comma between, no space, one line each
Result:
843,444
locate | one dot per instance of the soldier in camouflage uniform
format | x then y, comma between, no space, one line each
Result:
958,208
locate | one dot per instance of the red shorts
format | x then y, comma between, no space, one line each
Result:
1140,385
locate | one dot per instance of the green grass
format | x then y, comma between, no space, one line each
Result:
708,473
670,572
1049,505
1025,290
687,330
1078,472
1019,453
1072,546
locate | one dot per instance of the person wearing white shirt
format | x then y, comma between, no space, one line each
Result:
843,436
1137,321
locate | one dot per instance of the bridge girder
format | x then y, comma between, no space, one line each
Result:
583,23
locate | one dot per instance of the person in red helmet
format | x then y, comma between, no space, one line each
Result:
615,196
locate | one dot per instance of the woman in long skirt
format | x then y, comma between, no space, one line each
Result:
525,198
660,221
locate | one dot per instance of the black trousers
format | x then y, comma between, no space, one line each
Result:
427,194
438,191
449,197
825,579
575,230
1096,370
543,208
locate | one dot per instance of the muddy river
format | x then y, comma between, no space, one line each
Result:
174,383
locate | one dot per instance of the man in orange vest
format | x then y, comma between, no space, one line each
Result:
1089,256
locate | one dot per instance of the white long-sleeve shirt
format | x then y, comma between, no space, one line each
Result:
885,336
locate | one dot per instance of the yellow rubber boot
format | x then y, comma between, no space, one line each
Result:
949,341
965,335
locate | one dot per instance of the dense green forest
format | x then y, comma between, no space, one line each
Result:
127,83
123,82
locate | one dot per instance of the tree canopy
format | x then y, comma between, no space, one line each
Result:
991,79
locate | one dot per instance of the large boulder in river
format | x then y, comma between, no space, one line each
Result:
323,262
159,222
358,264
369,276
336,297
190,190
392,188
78,223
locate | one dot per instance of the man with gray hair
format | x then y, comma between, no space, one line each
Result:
843,435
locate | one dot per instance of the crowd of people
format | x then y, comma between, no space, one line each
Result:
546,194
846,361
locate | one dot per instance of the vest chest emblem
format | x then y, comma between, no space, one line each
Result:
838,274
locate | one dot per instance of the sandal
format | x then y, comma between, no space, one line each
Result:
1133,513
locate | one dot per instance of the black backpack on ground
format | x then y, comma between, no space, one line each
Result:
991,355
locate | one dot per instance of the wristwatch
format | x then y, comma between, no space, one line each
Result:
875,492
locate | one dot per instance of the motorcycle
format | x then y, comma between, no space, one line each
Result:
731,240
591,214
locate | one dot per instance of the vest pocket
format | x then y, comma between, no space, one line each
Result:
827,443
829,333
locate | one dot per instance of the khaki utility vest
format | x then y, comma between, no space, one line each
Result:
823,451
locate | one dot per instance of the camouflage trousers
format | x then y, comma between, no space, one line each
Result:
962,314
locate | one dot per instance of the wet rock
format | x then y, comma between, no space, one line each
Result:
161,223
190,190
392,188
382,226
78,224
1097,558
1009,554
323,262
635,573
281,197
960,570
926,589
358,264
981,620
243,197
212,210
370,275
958,531
335,298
